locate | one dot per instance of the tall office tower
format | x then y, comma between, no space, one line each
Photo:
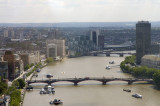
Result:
94,36
143,39
101,41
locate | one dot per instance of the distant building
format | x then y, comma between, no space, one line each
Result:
94,36
143,39
12,34
60,46
21,37
5,33
52,50
155,48
4,69
152,61
29,57
101,41
9,57
15,64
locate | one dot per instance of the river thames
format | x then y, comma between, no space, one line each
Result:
91,93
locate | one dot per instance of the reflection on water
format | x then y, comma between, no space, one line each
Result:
91,93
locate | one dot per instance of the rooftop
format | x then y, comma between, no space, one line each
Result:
152,57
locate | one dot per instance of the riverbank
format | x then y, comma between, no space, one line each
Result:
128,66
23,91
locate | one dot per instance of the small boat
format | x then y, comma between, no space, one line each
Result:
56,102
52,90
111,62
43,91
136,95
49,75
108,67
127,90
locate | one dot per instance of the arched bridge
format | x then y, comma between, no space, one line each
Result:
75,81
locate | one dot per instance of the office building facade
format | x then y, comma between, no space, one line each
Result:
143,39
52,50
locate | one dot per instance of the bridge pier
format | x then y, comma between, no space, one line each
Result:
130,82
75,83
108,54
121,55
95,54
103,83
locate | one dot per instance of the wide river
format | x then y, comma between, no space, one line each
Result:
91,93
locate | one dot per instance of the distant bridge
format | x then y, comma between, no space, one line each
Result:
75,81
121,54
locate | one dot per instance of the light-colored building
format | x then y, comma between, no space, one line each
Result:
60,46
30,57
5,33
52,50
152,61
21,37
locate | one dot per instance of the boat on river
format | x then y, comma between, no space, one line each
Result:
56,102
111,62
108,67
43,91
136,95
127,90
48,89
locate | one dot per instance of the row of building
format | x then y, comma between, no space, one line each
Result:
12,63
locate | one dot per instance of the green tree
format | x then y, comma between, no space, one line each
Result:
27,67
15,83
3,87
49,60
21,83
156,78
11,89
15,98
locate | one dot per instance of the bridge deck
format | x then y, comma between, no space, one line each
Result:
77,80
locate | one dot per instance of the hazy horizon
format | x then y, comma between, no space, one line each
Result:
57,11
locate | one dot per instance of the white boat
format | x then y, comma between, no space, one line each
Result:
136,95
108,67
43,91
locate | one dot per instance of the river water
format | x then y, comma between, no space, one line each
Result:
91,93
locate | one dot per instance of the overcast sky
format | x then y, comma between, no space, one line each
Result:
35,11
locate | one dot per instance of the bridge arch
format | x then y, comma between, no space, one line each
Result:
81,81
109,81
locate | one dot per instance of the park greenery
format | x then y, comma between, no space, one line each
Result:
19,83
14,91
128,66
3,88
49,60
28,66
35,68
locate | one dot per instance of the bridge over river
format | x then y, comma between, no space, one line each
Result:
103,80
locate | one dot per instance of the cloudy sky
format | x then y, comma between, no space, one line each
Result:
34,11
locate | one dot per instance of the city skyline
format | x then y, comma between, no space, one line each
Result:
49,11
